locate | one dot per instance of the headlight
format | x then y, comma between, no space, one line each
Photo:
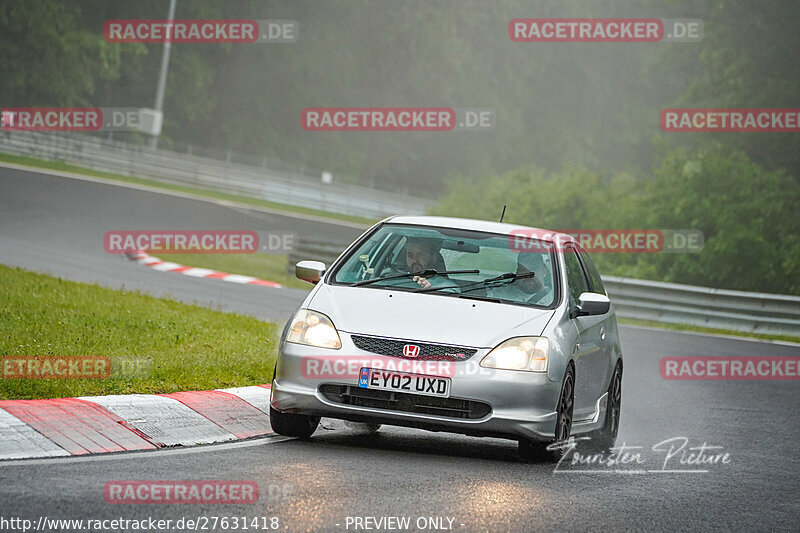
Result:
314,329
520,353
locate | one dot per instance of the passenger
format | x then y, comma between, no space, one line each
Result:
537,290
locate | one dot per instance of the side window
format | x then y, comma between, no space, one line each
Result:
576,279
594,275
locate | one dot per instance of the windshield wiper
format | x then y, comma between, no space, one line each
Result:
427,273
513,276
481,298
508,276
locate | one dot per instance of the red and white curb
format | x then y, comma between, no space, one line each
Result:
102,424
143,258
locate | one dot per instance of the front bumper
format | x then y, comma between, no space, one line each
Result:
521,404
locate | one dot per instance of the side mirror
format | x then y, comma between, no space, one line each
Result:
590,303
310,271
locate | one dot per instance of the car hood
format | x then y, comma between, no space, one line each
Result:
426,317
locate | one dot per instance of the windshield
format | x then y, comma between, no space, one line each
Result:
466,263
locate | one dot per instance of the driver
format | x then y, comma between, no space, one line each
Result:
537,290
422,253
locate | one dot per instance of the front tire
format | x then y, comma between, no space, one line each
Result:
538,451
290,425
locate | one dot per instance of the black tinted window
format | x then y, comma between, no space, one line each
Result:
575,276
594,275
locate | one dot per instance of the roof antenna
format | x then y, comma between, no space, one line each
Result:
503,214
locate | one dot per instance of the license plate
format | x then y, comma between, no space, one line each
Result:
373,378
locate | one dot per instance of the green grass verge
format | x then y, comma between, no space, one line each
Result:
711,331
155,345
263,266
58,165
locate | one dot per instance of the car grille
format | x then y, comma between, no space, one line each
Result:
429,352
408,403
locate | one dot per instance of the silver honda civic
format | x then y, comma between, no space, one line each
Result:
457,325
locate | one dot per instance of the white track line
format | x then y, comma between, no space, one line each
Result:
19,440
165,420
149,454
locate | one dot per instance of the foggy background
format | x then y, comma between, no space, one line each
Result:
576,143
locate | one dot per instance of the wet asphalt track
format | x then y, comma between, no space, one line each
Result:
56,225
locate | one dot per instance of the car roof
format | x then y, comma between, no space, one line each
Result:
481,225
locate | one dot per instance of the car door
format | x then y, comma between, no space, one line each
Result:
605,358
587,352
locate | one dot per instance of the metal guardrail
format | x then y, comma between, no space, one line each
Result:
324,251
672,303
203,172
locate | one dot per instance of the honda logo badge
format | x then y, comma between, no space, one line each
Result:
411,350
